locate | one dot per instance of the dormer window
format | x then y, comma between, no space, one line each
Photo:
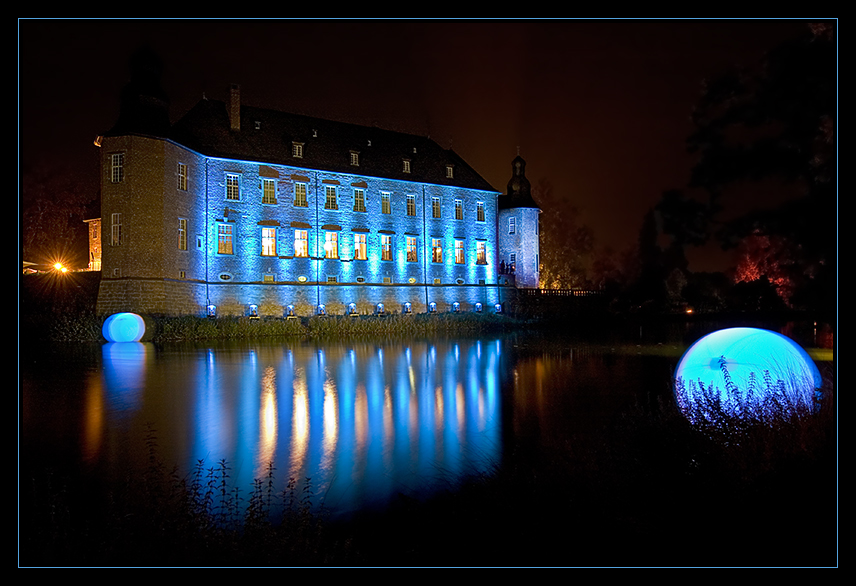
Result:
406,165
297,150
355,158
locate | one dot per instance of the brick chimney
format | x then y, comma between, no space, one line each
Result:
235,106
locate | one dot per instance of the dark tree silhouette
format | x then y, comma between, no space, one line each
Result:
771,125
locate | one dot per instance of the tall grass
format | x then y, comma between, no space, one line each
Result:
158,518
79,328
763,403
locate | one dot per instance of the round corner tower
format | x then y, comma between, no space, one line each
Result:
517,229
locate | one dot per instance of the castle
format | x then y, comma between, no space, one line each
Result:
236,210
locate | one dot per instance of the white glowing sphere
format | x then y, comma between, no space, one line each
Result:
746,365
123,327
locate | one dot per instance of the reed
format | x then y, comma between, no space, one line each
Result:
158,518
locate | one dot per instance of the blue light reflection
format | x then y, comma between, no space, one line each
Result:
362,423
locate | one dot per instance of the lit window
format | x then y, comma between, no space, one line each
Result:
268,191
436,212
300,195
182,177
512,225
385,206
268,241
411,249
297,150
436,250
360,246
459,252
224,239
116,229
330,202
359,200
331,244
406,165
117,167
480,211
411,205
233,186
450,171
385,247
182,234
355,158
459,209
481,253
301,243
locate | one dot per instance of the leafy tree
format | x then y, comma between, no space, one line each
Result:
54,204
772,125
566,242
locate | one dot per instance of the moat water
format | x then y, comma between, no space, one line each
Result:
354,424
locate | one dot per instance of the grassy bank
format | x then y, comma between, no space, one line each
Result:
87,328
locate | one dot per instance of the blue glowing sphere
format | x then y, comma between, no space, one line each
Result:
123,327
746,370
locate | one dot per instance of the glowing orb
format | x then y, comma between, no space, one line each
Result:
744,371
123,327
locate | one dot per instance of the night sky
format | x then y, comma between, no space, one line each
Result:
600,110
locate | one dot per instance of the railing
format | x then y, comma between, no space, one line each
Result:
560,292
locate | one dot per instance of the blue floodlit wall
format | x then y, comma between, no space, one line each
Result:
518,240
463,270
169,259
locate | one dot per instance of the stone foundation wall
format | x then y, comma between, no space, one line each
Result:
175,297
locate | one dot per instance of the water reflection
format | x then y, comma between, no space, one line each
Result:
364,422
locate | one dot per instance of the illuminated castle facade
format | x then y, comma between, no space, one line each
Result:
235,210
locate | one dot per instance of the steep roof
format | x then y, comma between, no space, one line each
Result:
267,136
